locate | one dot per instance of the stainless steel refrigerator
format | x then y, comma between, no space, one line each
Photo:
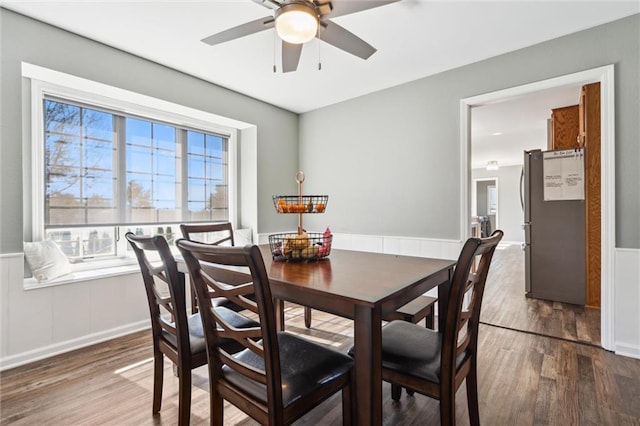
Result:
554,239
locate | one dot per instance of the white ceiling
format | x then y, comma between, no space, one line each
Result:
414,39
502,131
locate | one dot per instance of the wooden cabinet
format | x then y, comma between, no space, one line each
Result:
565,126
589,126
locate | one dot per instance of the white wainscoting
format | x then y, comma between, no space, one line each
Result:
43,322
627,302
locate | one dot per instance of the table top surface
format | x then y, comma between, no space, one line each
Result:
355,275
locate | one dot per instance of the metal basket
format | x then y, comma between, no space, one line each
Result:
300,203
305,247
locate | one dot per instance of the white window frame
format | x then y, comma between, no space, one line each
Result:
46,82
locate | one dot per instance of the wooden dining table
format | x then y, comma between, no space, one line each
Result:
362,286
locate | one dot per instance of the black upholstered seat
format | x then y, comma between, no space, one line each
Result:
411,349
304,368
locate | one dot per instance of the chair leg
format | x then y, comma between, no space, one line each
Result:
307,317
216,416
158,375
396,392
472,395
347,406
448,408
410,392
184,396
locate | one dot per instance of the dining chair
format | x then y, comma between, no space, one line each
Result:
175,335
218,233
279,376
435,363
215,233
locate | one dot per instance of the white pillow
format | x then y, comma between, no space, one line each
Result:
46,260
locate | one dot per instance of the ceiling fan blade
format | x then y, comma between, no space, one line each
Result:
344,39
345,7
290,56
241,31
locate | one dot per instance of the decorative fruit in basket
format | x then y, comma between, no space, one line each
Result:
295,243
326,243
319,207
310,252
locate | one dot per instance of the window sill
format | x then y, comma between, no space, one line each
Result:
85,275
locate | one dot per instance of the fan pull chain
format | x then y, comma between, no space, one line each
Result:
274,51
319,62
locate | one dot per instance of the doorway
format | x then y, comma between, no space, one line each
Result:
484,205
603,75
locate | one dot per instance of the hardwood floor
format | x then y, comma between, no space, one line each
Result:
505,305
524,379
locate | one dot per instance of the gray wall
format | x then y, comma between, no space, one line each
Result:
24,39
390,160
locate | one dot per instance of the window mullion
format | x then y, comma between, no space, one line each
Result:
183,174
120,174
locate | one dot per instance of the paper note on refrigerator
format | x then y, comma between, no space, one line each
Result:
563,174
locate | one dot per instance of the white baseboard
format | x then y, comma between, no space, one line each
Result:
70,345
631,351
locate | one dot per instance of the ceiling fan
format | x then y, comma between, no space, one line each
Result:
299,21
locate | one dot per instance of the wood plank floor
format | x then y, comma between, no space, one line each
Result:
524,379
504,304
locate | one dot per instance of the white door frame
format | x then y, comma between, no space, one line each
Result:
605,75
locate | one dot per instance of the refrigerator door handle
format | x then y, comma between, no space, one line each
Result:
522,188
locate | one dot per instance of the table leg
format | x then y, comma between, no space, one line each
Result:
443,300
368,365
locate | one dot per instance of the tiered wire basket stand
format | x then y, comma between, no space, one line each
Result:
302,246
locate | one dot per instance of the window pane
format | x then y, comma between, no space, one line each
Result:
83,242
164,137
207,179
79,170
138,132
139,159
152,166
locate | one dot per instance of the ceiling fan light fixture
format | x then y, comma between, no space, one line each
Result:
297,22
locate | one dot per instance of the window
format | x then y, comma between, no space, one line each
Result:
106,171
105,165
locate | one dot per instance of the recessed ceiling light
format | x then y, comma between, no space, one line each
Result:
496,134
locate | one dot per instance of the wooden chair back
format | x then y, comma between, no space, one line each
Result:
460,334
165,290
202,261
218,233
